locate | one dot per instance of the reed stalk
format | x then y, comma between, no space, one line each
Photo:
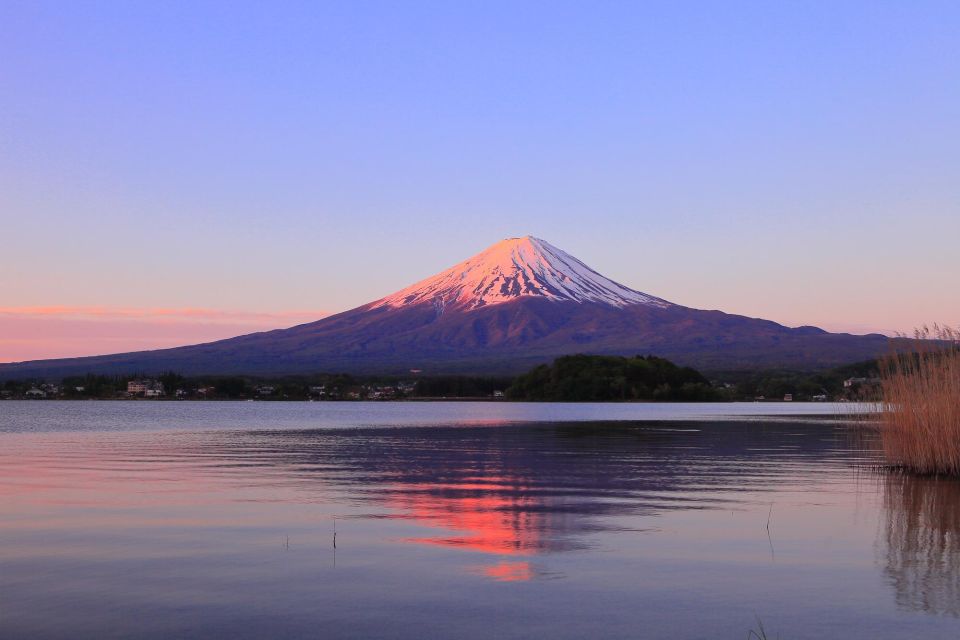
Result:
920,406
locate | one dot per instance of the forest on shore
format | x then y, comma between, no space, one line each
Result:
573,378
585,378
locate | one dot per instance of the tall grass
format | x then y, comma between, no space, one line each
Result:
920,406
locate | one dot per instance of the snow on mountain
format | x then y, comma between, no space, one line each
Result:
514,268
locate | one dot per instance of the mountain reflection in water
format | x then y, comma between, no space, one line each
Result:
622,530
512,492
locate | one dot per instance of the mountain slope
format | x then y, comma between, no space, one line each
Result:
516,304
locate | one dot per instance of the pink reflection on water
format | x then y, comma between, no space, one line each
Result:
495,515
509,571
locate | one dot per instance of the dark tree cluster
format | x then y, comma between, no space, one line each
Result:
802,385
459,387
93,386
586,378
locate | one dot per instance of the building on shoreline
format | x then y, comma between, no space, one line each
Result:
147,388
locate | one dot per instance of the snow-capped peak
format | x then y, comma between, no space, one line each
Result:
514,268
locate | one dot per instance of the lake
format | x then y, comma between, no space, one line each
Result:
464,520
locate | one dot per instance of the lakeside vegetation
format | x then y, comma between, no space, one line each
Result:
856,381
583,378
570,378
172,385
920,411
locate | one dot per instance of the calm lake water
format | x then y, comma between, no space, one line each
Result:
464,520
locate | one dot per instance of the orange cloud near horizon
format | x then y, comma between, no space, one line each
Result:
59,331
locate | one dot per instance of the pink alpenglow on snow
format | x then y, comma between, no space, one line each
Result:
516,268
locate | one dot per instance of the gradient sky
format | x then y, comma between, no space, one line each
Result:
798,161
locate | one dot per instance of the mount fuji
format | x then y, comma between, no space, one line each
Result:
518,303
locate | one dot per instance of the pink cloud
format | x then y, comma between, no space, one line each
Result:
185,313
31,333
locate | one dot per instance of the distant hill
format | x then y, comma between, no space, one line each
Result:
519,303
586,378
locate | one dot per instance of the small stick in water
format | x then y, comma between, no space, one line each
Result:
773,556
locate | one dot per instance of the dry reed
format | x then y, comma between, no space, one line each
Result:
920,407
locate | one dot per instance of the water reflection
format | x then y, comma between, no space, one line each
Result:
921,542
534,530
496,516
515,492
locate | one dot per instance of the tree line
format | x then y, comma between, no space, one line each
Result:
574,378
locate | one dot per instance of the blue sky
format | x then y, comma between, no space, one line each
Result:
792,160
